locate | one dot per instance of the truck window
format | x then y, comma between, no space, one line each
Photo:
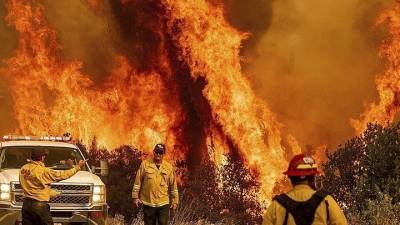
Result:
58,158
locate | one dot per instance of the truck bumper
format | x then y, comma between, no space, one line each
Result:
96,215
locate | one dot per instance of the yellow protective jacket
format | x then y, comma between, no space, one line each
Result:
155,186
35,179
275,214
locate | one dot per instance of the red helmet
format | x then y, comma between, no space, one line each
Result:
302,165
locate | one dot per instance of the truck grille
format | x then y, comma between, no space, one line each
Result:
71,194
62,187
61,199
71,199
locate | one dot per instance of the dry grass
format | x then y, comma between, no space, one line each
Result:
119,220
184,216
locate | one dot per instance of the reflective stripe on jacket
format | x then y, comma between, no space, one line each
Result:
275,214
154,186
35,179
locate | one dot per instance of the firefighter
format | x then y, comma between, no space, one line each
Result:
303,205
35,179
155,188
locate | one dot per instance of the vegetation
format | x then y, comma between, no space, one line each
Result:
205,196
240,191
364,176
185,216
380,211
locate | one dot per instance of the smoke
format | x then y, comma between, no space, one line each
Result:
85,34
8,37
315,65
253,16
94,31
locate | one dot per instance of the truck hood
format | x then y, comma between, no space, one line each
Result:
12,175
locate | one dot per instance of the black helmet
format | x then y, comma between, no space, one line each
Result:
159,149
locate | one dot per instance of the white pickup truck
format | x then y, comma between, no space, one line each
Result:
83,196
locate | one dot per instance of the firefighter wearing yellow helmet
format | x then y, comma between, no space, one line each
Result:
154,185
303,205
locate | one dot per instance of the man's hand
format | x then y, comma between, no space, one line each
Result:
81,163
174,206
137,202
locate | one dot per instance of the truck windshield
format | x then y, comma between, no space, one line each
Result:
58,158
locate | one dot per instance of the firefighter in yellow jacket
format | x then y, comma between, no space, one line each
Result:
155,187
35,179
303,205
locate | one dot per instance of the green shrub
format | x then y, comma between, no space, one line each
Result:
364,176
366,165
381,211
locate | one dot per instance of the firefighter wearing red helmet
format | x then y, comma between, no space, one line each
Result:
303,205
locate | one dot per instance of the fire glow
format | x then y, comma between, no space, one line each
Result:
388,86
189,92
51,95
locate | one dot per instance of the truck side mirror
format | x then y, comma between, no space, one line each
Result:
102,170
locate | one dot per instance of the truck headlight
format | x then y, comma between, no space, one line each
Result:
98,189
99,194
5,196
5,192
98,198
5,188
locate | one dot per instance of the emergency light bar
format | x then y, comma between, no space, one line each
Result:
36,138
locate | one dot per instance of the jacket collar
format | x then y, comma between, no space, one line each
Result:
153,164
302,186
39,163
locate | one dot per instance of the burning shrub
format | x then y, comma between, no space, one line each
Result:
202,190
228,193
123,164
210,194
240,191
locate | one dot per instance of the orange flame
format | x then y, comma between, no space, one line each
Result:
51,95
210,46
388,83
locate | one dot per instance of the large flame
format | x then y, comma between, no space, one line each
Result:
388,83
211,49
52,95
